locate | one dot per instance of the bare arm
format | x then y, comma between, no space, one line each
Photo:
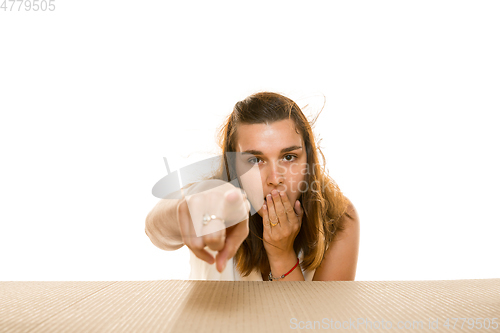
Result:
162,225
341,258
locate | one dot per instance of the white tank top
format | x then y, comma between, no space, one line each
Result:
201,270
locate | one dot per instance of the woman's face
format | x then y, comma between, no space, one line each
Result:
276,152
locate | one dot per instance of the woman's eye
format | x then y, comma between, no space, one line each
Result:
288,158
253,160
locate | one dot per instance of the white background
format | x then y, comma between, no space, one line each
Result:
95,94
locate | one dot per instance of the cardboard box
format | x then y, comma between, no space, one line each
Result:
226,306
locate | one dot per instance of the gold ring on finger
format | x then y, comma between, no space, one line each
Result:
273,224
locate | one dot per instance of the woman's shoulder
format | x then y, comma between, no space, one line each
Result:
350,211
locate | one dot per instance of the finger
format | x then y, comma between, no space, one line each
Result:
270,209
235,235
236,207
233,195
299,210
265,218
245,198
195,244
290,212
279,207
214,234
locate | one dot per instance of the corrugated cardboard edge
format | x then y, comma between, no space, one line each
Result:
226,306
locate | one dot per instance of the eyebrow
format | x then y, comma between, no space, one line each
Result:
284,150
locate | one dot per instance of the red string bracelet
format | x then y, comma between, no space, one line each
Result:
271,278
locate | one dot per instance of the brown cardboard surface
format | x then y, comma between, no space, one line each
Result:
225,306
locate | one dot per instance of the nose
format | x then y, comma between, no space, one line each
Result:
274,177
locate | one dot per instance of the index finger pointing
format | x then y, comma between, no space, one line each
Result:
235,235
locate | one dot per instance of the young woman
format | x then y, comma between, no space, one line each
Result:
306,229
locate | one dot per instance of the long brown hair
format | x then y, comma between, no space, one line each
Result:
323,202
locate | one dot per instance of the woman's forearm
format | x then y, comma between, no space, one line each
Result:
162,225
283,265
